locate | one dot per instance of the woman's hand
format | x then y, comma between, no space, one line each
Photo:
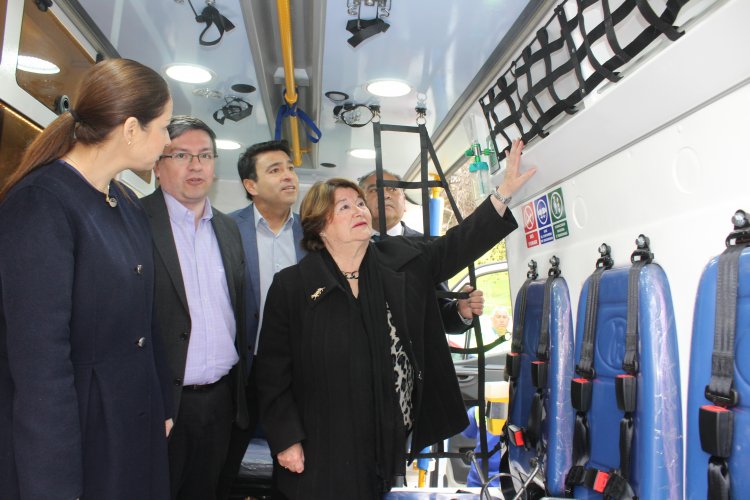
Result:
514,179
293,458
168,424
473,306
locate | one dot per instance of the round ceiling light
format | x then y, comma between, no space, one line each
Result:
188,73
227,144
388,88
33,64
365,154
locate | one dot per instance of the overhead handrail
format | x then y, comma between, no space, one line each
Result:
290,94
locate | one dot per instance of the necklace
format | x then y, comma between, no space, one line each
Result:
111,200
354,275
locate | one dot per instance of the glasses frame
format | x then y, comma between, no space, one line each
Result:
191,156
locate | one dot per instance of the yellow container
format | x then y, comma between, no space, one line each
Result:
496,394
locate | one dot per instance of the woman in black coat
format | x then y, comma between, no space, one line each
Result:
83,410
352,355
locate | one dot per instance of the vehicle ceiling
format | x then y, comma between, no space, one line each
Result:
438,47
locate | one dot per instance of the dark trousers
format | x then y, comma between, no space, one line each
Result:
239,441
199,441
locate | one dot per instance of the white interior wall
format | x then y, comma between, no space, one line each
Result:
678,179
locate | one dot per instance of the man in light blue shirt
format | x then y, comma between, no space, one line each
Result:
199,280
271,235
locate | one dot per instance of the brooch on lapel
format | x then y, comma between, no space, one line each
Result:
318,292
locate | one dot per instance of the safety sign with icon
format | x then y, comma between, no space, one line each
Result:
544,219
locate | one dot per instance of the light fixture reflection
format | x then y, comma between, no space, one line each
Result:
365,154
188,73
388,88
33,64
227,144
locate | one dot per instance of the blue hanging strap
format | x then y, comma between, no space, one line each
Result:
286,110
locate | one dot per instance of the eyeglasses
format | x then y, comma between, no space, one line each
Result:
388,189
184,159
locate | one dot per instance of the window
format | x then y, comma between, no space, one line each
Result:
51,61
491,271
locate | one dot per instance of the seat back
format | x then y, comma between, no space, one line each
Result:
560,416
656,465
700,374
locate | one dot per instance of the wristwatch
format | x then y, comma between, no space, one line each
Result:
505,200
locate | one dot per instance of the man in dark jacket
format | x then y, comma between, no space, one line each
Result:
199,273
457,315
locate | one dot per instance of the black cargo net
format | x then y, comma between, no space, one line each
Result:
584,43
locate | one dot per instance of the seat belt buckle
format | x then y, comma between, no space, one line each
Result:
515,436
600,481
539,374
580,393
512,365
716,427
626,390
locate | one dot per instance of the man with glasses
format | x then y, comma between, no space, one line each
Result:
199,307
457,314
271,236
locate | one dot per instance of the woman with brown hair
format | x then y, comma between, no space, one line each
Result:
83,410
352,354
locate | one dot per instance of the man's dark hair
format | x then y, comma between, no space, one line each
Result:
180,124
246,163
362,179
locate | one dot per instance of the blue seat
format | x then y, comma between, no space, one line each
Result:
557,430
656,465
700,374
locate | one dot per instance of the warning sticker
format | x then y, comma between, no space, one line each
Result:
546,235
560,229
557,205
542,211
532,239
545,219
529,219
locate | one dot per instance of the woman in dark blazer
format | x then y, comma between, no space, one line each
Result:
352,355
83,412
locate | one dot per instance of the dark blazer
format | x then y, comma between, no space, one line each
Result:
172,309
448,308
81,404
245,219
305,311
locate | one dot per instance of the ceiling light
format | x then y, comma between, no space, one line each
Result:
388,88
365,154
227,144
33,64
188,73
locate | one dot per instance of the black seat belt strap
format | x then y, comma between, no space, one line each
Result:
716,422
581,387
511,433
626,386
540,367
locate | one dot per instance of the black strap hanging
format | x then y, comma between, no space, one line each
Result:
716,422
581,386
540,367
513,433
618,484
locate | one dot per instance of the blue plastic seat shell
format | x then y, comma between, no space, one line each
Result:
657,463
560,414
700,374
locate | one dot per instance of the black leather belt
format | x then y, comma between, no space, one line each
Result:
204,387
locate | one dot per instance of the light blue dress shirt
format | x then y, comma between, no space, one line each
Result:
275,252
211,351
